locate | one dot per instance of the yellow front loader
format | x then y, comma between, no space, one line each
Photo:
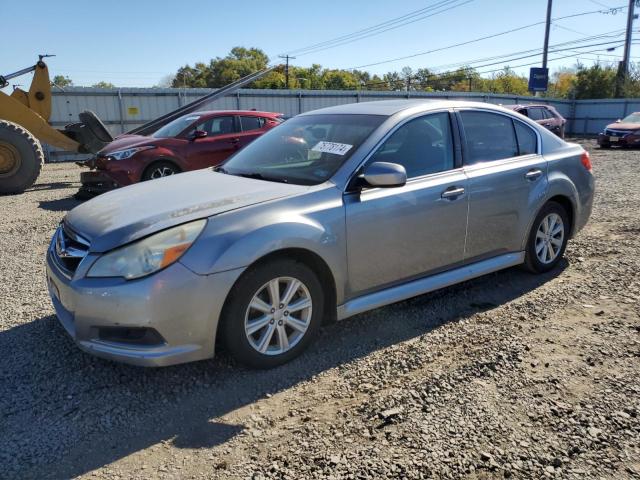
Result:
24,117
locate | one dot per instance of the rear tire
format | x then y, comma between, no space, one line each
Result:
262,332
159,169
21,158
547,239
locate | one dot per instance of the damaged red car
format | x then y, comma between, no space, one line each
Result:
194,141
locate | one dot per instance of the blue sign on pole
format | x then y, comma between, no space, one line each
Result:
538,79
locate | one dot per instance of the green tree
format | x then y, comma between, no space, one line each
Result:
596,81
62,81
239,63
632,85
507,81
103,84
562,83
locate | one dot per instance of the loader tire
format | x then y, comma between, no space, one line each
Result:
21,158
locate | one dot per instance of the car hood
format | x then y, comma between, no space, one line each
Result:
624,126
126,141
127,214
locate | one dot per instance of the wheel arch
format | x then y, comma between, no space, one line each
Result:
569,207
563,199
310,259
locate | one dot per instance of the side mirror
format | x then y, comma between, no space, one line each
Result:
199,134
384,175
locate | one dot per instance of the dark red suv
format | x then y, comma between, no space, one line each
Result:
545,115
194,141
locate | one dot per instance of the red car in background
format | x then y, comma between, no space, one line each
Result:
194,141
545,115
622,133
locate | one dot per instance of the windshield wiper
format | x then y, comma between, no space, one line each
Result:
220,169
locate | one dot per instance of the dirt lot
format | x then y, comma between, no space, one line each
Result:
510,375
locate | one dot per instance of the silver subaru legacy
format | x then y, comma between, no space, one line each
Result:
333,213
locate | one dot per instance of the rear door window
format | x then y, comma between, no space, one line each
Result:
217,126
251,123
536,113
488,137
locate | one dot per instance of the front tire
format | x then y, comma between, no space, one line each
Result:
21,158
547,239
159,170
272,314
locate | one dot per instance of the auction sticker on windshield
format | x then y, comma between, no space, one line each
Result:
332,147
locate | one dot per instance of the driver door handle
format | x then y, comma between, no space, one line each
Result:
452,192
235,141
533,174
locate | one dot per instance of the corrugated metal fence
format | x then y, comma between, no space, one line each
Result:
123,109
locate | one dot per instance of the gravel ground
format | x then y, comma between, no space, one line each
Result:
507,376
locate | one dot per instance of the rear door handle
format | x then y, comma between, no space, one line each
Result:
235,141
452,192
533,174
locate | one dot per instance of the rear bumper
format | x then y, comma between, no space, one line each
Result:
179,306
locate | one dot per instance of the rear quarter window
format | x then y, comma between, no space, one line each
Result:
526,137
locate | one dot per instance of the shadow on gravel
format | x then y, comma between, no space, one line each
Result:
60,204
52,186
67,413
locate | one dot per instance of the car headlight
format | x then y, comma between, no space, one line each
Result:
128,153
148,255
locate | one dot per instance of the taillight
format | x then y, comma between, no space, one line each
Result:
585,159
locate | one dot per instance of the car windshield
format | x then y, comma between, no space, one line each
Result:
173,128
633,118
305,150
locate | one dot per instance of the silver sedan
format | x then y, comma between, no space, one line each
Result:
333,213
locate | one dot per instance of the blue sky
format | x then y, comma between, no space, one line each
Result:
137,43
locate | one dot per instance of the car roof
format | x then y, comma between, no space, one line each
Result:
236,112
523,105
391,107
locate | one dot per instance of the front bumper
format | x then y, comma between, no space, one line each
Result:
628,140
96,182
181,306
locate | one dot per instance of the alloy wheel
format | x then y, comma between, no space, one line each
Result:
278,316
549,238
161,172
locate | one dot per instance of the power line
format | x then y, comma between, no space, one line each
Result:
482,38
555,50
535,51
369,29
449,4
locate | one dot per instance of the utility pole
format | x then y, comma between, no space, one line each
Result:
546,35
623,67
286,69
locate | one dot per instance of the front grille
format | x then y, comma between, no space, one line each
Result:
69,249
